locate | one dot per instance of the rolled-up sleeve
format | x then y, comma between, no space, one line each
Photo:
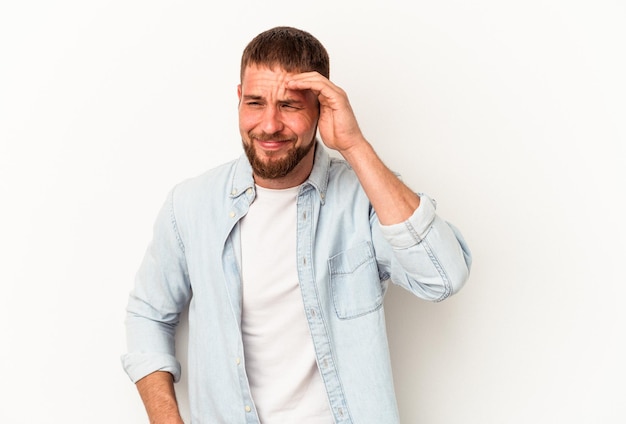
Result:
430,257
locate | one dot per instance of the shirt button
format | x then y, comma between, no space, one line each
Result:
248,409
234,191
231,214
249,191
238,361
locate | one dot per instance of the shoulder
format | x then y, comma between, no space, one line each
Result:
343,185
340,172
213,181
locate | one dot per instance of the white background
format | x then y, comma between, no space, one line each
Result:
511,114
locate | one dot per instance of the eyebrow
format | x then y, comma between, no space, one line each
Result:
252,97
288,100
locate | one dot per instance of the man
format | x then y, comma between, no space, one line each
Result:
283,257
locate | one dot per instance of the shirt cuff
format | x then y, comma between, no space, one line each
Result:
139,365
412,231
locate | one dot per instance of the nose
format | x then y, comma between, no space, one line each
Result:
271,121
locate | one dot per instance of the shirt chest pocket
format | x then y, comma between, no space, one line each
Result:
355,283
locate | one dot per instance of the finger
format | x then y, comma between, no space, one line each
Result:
326,92
310,81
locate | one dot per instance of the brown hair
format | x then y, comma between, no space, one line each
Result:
289,48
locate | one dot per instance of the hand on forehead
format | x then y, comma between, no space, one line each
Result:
272,83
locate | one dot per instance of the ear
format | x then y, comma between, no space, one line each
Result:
239,92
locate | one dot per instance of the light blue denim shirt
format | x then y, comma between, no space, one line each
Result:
346,259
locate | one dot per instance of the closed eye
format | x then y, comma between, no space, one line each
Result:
291,106
249,100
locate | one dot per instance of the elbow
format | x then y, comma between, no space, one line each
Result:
458,273
457,281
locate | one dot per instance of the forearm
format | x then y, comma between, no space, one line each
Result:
159,398
392,200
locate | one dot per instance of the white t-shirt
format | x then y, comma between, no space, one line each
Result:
280,361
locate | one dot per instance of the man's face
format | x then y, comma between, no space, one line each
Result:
277,126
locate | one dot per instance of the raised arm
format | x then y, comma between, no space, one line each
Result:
412,265
392,200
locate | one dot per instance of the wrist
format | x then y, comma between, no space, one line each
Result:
357,151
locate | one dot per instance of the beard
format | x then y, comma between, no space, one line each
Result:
279,167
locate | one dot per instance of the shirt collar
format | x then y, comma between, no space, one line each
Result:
318,178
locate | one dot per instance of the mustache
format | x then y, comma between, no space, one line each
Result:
272,137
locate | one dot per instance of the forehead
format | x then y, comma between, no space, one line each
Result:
264,81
